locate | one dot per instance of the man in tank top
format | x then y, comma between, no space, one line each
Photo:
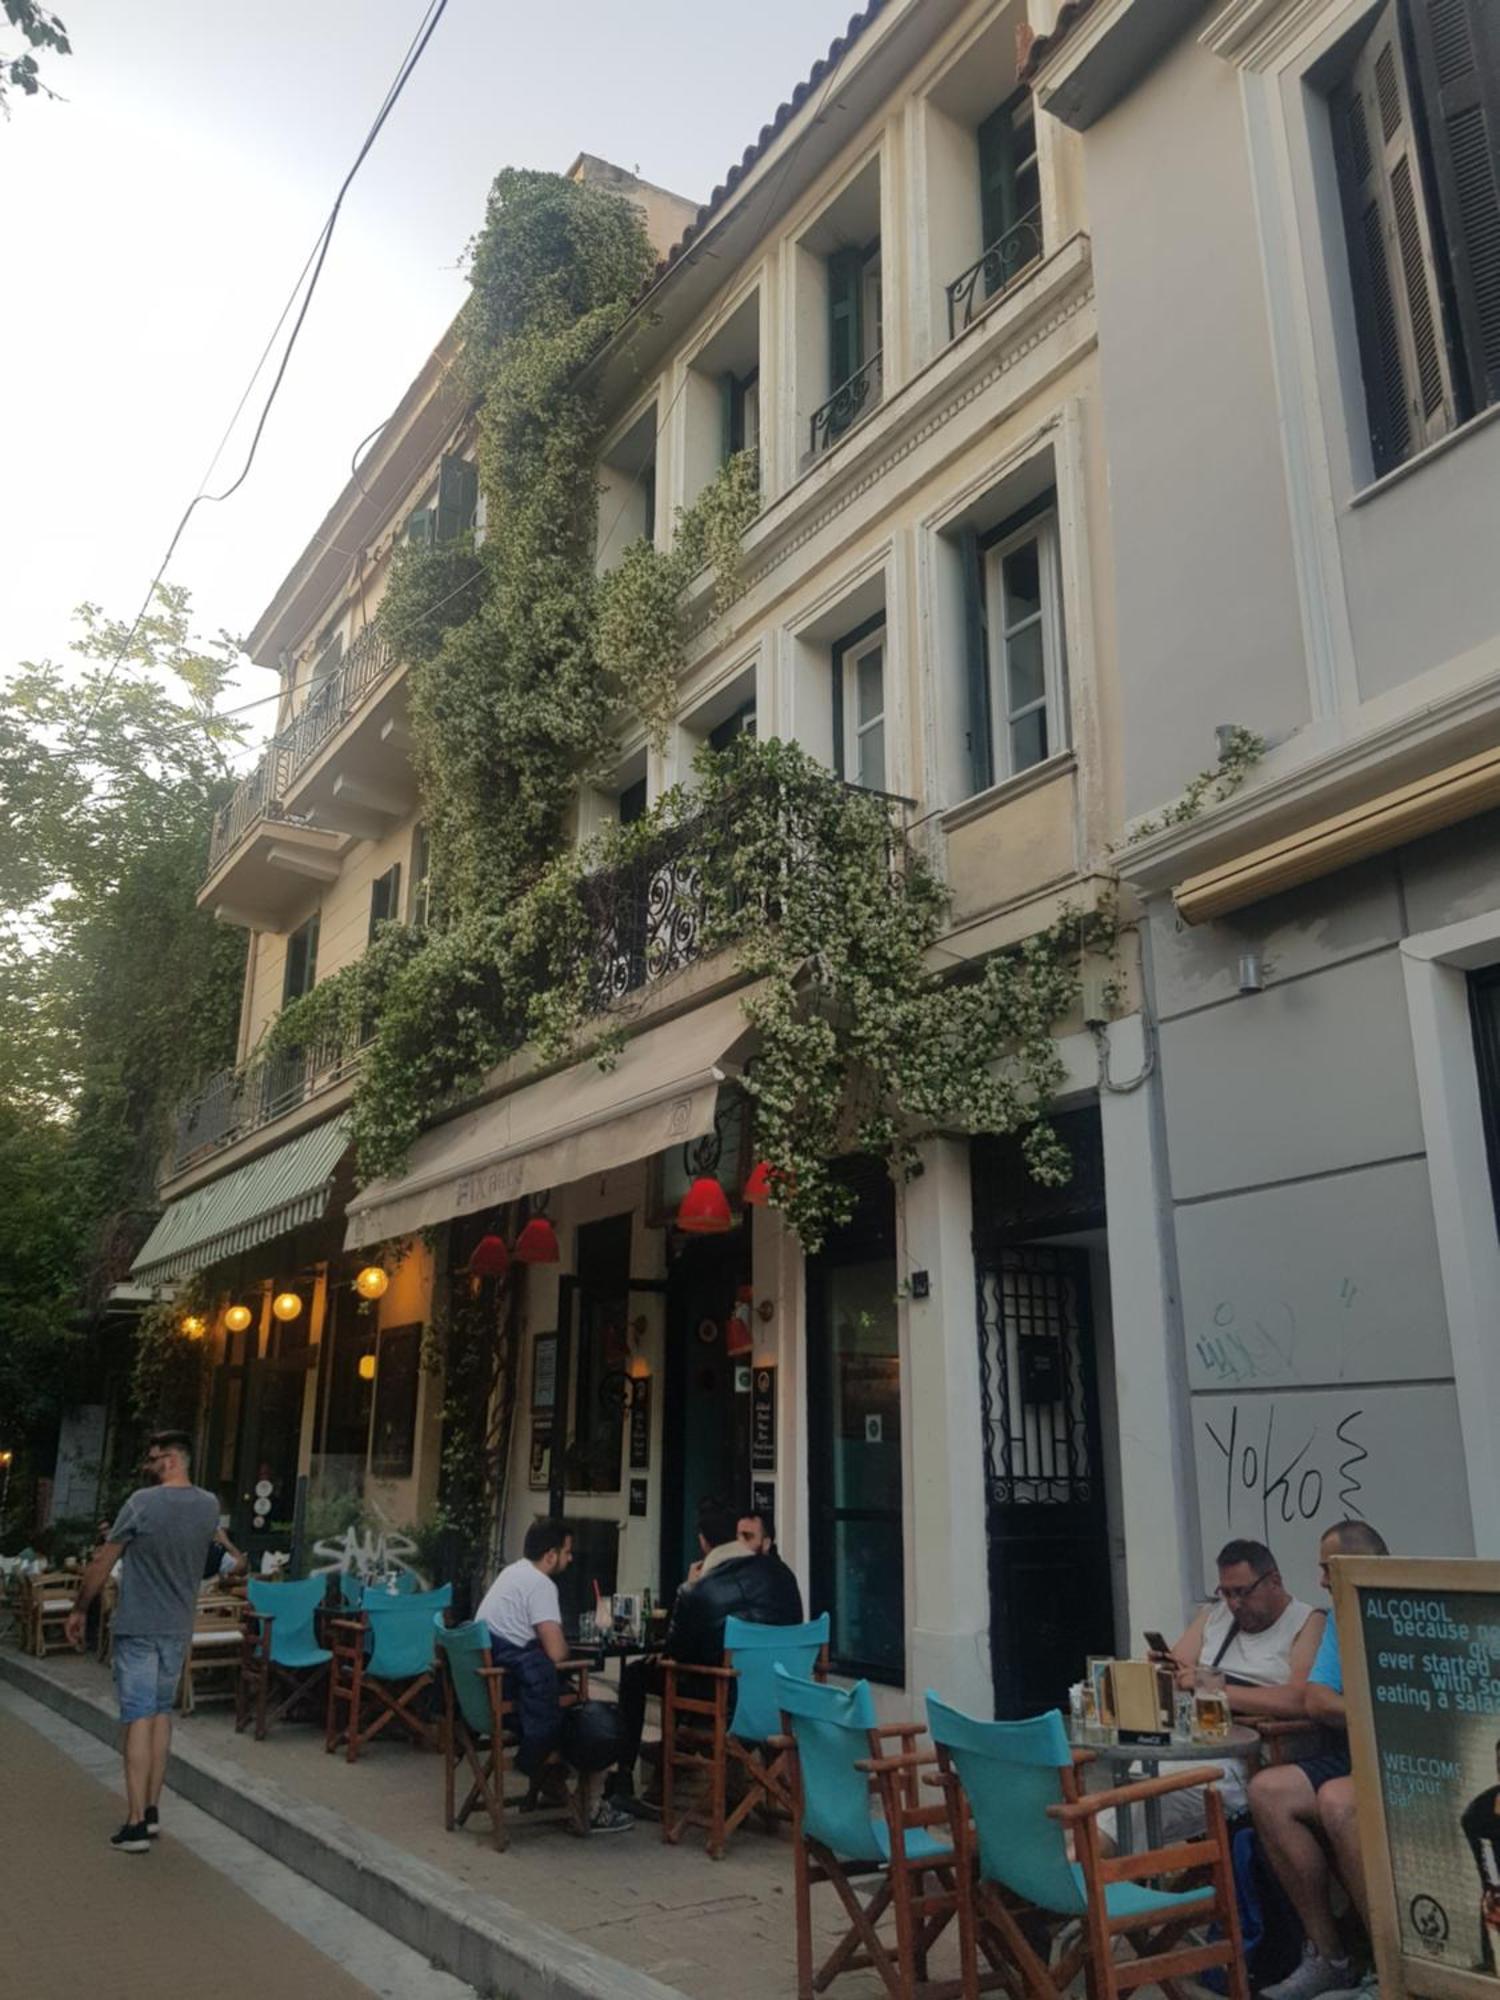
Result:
1263,1641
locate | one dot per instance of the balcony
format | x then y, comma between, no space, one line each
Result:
987,280
237,1102
340,771
845,407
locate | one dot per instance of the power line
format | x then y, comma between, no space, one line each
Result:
316,260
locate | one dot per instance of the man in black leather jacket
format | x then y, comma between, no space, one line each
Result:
730,1580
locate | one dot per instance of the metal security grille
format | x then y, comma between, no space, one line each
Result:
1039,1446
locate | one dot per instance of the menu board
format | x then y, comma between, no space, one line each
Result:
1420,1643
763,1419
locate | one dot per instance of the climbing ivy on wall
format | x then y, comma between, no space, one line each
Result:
519,658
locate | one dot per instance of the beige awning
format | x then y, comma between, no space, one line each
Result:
661,1092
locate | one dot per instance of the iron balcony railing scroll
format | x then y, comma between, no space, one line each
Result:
845,406
329,704
995,272
652,916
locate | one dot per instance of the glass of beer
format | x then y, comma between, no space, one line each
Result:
1211,1719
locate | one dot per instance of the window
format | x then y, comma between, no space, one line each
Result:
301,974
1484,1010
418,900
456,507
854,311
601,1351
632,803
739,722
854,1442
1416,132
1010,191
385,898
859,705
1017,684
741,395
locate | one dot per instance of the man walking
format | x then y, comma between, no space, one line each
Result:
163,1534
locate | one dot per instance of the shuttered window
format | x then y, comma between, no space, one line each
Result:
301,974
1014,634
385,898
1009,184
418,900
458,496
1392,260
1416,127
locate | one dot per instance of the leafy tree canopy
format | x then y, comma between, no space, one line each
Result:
20,70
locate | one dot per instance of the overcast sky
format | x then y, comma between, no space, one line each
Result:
156,220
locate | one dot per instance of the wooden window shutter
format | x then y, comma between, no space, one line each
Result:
732,411
997,175
977,664
458,495
846,274
385,897
1458,70
1403,349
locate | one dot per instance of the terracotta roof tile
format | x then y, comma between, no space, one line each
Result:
1068,14
785,112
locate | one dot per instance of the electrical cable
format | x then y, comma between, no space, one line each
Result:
316,260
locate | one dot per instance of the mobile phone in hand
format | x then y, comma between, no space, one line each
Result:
1158,1644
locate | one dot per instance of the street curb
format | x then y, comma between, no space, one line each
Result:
480,1939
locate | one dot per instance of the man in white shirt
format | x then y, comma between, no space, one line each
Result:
522,1609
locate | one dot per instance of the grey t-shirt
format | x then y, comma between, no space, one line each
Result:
166,1531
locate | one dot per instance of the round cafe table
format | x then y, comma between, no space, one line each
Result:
1117,1758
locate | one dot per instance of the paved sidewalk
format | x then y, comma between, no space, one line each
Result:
80,1918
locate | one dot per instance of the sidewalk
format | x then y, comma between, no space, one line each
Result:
80,1918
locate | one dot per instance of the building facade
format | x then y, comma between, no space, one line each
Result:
1295,210
1050,348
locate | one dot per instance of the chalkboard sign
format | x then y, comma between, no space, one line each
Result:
1420,1644
638,1496
640,1425
763,1419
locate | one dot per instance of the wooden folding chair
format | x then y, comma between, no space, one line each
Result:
215,1648
700,1735
382,1669
47,1601
283,1662
840,1774
1013,1800
480,1729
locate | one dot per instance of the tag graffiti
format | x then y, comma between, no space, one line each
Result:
1289,1478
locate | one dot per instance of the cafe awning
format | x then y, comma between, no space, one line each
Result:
263,1199
661,1092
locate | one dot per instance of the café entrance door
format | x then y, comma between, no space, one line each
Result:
1046,1501
706,1418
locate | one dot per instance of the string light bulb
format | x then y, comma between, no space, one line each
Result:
287,1306
238,1318
373,1282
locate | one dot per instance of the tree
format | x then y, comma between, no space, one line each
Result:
42,30
116,993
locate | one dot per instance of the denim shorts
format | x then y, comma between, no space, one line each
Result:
147,1670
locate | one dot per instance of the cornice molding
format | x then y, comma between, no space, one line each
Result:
1256,34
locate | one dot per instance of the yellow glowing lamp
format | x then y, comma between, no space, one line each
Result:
638,1368
238,1318
367,1368
372,1282
286,1306
193,1327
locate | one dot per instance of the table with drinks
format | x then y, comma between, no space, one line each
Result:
1203,1730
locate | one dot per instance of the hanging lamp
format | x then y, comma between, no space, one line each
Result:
757,1189
491,1259
537,1242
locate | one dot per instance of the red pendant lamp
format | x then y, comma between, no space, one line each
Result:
704,1209
490,1257
757,1189
537,1242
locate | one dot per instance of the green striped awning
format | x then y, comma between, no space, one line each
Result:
265,1198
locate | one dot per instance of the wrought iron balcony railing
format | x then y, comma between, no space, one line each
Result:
329,704
848,402
995,272
237,1102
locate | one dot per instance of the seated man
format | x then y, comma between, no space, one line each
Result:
730,1580
1304,1812
1263,1641
755,1532
522,1610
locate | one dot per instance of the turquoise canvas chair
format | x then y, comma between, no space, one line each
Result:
283,1661
382,1668
856,1810
479,1731
1013,1800
715,1717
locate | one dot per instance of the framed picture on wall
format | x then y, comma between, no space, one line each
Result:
544,1374
398,1367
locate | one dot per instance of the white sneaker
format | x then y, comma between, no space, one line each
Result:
1315,1976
